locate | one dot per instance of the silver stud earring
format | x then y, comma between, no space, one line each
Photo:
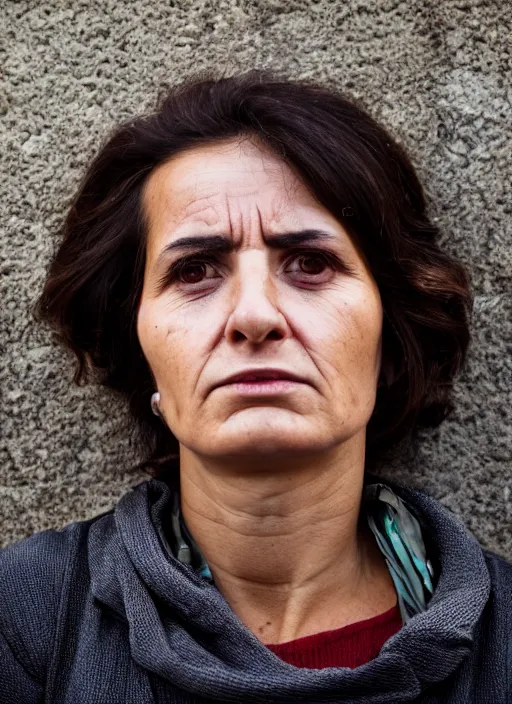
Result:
155,400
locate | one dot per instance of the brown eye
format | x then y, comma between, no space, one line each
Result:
192,273
308,264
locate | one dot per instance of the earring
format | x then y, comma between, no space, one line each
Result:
155,400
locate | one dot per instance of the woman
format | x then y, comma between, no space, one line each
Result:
252,268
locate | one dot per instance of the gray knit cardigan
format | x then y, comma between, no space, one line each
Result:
99,612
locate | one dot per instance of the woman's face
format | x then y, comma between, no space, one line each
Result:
312,309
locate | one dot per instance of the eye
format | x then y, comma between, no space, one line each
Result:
192,272
310,263
189,270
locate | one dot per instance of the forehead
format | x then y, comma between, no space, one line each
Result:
197,183
239,188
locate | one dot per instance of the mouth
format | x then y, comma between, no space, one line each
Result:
257,375
261,382
263,387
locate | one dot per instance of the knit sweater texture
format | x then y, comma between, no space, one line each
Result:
99,612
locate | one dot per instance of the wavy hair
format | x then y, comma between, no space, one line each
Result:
352,165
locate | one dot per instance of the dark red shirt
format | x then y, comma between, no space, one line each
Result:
349,646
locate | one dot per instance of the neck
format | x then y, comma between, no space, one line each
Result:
284,542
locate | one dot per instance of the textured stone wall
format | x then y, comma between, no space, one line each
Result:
437,73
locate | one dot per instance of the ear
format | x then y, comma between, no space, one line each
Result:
155,400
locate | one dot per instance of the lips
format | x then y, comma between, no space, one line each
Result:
249,375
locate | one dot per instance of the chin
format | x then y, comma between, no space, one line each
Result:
273,441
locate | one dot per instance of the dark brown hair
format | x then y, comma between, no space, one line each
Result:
352,165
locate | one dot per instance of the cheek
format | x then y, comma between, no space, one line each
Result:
147,329
345,333
154,338
170,349
346,316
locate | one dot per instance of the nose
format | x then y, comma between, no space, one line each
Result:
255,315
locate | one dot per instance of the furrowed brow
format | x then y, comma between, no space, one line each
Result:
224,245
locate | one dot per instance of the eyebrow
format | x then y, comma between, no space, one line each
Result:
224,245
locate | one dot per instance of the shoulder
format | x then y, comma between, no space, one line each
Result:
500,571
33,575
499,612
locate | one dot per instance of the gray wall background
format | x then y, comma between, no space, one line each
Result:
437,73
